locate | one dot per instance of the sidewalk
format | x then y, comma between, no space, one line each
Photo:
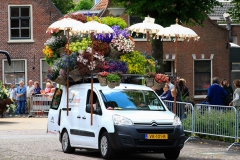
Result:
23,123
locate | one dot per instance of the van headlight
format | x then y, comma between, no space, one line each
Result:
177,121
120,120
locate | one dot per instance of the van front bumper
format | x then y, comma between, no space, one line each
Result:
132,138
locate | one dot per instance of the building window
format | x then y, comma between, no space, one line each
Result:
14,73
235,72
20,23
202,76
168,67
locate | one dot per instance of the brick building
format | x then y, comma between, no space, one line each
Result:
198,61
23,34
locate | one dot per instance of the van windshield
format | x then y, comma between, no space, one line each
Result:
125,99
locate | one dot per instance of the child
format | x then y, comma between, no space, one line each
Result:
48,88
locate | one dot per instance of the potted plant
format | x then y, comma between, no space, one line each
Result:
149,77
4,100
112,80
102,78
159,80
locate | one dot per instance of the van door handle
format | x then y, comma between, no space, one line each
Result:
83,117
78,117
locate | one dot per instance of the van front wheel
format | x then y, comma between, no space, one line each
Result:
66,147
106,147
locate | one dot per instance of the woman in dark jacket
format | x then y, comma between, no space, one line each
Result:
166,95
229,90
37,89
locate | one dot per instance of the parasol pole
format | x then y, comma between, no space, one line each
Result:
68,74
91,97
175,74
175,77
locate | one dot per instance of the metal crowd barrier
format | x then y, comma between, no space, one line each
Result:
40,104
215,120
206,119
185,111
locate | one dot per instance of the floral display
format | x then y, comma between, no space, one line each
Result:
160,78
135,61
106,55
122,44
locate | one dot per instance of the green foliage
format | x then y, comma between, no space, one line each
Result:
165,12
11,109
111,21
83,5
3,92
113,77
136,62
212,122
235,11
64,5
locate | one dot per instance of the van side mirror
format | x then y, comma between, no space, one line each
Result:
95,111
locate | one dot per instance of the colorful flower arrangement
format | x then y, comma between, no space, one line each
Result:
135,61
94,18
86,62
101,47
103,74
48,52
115,66
161,78
77,16
66,61
122,44
55,42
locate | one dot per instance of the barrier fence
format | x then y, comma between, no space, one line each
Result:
40,104
206,119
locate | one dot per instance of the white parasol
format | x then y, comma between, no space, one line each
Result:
177,31
147,27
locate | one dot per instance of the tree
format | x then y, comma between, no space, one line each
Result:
83,5
235,11
165,12
64,5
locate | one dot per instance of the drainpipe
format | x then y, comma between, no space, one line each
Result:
228,20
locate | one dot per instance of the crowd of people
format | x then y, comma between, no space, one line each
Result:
21,95
219,93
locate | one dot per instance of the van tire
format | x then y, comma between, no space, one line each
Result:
172,155
66,146
105,146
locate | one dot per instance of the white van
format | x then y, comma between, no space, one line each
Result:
128,118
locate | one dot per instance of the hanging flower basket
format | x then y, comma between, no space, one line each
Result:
75,75
149,81
61,80
158,85
102,80
114,54
62,51
111,84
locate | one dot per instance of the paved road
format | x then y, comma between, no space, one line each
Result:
26,138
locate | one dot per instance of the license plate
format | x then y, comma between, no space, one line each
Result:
156,136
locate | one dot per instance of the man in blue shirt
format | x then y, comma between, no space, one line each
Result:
216,93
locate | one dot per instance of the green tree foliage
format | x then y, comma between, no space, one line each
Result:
235,11
83,5
165,12
64,5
